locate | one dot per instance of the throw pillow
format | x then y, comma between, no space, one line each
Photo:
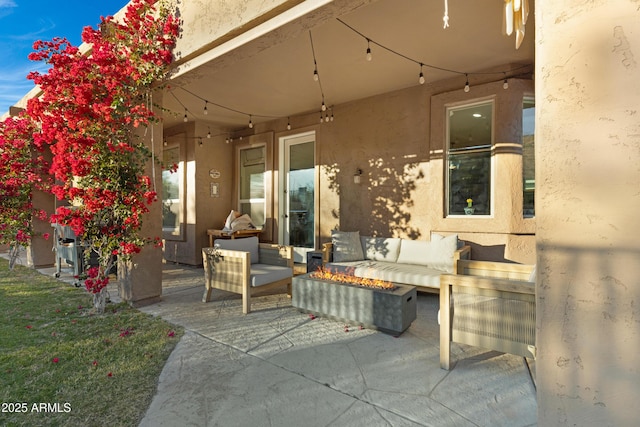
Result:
346,246
414,252
441,254
380,248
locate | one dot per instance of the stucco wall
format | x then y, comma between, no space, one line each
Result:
396,139
587,139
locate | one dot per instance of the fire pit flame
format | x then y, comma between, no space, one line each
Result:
350,279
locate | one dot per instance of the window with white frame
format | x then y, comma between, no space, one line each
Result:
252,196
469,185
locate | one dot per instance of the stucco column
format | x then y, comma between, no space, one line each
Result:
145,271
588,232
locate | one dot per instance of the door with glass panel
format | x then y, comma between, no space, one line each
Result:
297,183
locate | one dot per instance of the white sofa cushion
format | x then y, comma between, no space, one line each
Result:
437,254
346,246
380,248
248,244
408,274
263,274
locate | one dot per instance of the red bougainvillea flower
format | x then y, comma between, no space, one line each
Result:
87,115
29,326
55,360
171,334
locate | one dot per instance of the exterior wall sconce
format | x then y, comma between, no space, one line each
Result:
357,176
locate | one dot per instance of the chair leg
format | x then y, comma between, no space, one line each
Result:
445,326
246,300
207,294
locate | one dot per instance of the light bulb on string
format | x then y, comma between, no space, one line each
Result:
205,111
226,140
288,124
186,119
209,133
316,77
250,123
421,77
331,118
324,106
200,142
505,85
369,56
321,118
466,85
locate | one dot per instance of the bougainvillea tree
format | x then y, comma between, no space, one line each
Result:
23,169
90,111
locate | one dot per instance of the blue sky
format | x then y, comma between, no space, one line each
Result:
24,21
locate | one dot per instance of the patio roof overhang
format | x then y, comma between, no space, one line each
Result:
266,70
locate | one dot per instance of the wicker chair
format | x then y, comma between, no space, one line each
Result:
243,266
490,305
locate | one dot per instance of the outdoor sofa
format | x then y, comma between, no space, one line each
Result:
411,262
245,266
490,305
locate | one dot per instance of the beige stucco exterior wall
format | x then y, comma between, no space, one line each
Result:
587,140
396,139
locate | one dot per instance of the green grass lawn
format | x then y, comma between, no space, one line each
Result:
63,365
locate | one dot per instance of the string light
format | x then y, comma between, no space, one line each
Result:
316,77
209,133
200,142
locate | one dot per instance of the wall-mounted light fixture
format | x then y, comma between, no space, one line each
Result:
357,176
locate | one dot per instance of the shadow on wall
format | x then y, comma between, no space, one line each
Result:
593,294
381,204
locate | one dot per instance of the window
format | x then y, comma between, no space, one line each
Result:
528,157
172,192
469,142
252,197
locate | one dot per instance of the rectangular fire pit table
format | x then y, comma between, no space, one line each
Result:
388,311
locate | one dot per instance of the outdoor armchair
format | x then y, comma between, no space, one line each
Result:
489,305
244,266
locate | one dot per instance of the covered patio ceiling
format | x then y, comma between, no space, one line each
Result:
271,75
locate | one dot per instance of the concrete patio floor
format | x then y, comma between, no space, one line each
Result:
278,367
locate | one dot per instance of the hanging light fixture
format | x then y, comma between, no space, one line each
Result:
205,111
466,85
421,77
209,133
369,56
250,122
186,119
505,85
288,124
